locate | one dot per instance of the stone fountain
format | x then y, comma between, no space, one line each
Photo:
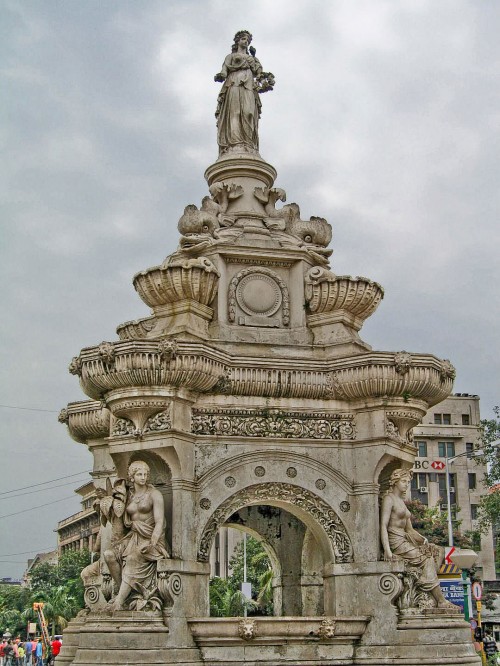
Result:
248,399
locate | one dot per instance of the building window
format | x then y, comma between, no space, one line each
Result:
422,449
446,449
472,482
473,511
442,488
465,419
469,449
438,419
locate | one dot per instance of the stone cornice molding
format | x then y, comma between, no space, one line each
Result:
201,367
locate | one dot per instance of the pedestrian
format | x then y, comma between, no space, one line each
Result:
39,653
55,647
2,652
28,649
9,654
20,654
489,645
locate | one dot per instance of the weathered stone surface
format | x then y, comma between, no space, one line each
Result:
254,403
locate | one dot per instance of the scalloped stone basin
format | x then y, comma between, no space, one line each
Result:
223,631
326,292
195,279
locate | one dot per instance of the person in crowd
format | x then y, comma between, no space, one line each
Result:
28,649
55,647
2,652
9,654
39,653
489,645
20,654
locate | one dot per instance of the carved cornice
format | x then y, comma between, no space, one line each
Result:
272,424
86,420
146,363
199,367
264,493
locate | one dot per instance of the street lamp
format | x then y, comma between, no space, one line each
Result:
465,560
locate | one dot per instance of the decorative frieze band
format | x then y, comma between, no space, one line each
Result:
273,424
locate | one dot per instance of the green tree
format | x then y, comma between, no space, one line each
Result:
433,524
14,600
226,599
489,438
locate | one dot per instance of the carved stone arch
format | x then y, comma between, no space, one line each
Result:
279,303
319,516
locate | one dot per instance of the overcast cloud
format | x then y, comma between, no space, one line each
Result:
385,120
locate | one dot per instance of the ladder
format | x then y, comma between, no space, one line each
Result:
38,607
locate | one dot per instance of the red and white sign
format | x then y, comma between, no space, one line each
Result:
438,464
477,591
447,552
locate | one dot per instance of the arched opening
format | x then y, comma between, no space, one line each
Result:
302,535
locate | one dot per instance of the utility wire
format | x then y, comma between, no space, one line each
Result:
27,552
30,409
43,483
39,506
40,490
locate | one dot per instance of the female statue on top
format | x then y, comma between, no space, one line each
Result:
238,106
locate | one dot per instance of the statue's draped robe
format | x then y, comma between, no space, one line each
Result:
238,108
403,546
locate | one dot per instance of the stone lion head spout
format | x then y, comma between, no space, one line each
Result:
247,629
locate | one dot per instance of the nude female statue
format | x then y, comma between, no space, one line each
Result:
401,541
238,107
132,559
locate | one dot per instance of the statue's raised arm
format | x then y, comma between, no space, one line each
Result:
239,106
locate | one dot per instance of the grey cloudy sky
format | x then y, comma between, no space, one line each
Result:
385,120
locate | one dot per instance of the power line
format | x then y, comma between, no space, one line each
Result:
8,515
30,409
27,552
40,490
43,483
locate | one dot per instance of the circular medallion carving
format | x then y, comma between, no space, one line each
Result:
230,481
320,484
259,471
291,472
345,506
205,503
258,294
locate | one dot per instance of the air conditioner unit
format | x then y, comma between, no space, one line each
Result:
452,489
423,489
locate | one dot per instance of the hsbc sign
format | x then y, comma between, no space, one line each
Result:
437,465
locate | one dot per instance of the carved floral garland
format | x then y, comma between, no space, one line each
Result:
273,424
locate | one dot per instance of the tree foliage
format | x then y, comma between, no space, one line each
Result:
432,523
489,438
58,585
226,599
